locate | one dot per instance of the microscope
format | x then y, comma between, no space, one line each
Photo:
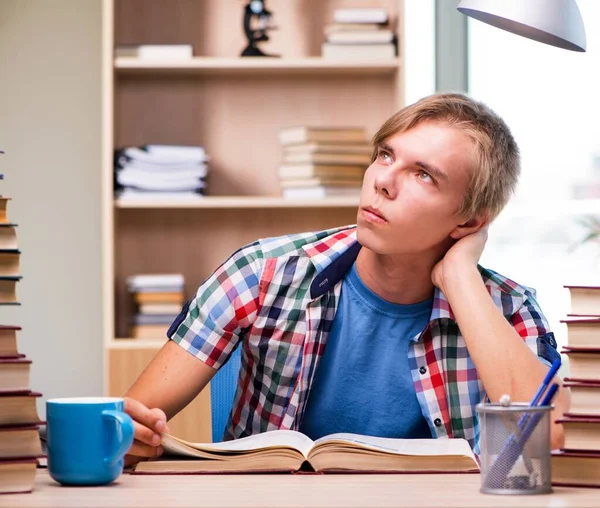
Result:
256,9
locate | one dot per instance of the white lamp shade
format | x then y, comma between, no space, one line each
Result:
554,22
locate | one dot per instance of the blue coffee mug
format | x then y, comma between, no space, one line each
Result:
87,439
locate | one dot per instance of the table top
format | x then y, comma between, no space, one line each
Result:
441,490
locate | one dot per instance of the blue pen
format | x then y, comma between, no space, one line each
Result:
505,461
551,373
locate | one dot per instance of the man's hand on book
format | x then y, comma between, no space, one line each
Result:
148,425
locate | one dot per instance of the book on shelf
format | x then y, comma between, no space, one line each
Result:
8,341
320,192
307,134
8,236
583,331
585,397
360,15
149,331
14,374
8,290
575,469
142,282
10,262
159,308
329,148
359,159
581,433
171,297
361,37
332,28
358,51
297,171
291,451
137,197
155,51
584,363
585,300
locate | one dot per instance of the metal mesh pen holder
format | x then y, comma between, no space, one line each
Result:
515,449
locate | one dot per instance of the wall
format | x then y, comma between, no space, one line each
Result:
50,126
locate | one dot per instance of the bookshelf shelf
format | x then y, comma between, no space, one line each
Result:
240,202
257,66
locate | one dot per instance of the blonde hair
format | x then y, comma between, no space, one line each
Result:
494,180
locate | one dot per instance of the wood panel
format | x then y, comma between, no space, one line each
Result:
193,423
237,119
195,242
215,27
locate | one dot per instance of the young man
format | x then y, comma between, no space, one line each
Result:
387,328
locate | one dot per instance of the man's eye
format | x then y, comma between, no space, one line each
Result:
423,175
385,156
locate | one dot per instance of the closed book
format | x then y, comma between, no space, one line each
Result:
159,297
585,300
583,331
575,469
8,236
584,363
291,451
154,319
20,442
320,192
358,51
155,51
14,374
581,433
137,282
362,160
297,171
305,134
585,397
150,331
8,289
17,476
19,409
8,341
360,15
361,37
329,148
159,308
10,262
352,27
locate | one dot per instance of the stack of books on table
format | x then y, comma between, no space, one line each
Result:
321,162
20,444
158,299
155,172
359,33
578,463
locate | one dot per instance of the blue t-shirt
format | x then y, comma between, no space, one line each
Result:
363,383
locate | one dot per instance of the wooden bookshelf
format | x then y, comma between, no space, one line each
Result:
241,202
234,107
261,65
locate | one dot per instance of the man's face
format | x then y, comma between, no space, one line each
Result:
413,191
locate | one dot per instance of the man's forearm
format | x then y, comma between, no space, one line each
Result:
504,363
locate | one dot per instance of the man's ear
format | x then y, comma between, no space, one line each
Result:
480,221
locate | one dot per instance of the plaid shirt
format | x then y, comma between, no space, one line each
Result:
277,298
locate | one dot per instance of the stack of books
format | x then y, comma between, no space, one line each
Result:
578,463
158,299
359,33
20,444
321,162
160,172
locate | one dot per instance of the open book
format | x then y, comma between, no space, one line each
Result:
286,450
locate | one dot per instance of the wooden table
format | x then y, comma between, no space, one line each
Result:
289,491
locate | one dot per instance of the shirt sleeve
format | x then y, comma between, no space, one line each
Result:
532,326
211,325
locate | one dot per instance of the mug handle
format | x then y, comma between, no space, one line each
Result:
124,434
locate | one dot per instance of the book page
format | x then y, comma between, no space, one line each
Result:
262,441
430,447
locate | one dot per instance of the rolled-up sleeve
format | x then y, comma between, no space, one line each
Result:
532,326
211,325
